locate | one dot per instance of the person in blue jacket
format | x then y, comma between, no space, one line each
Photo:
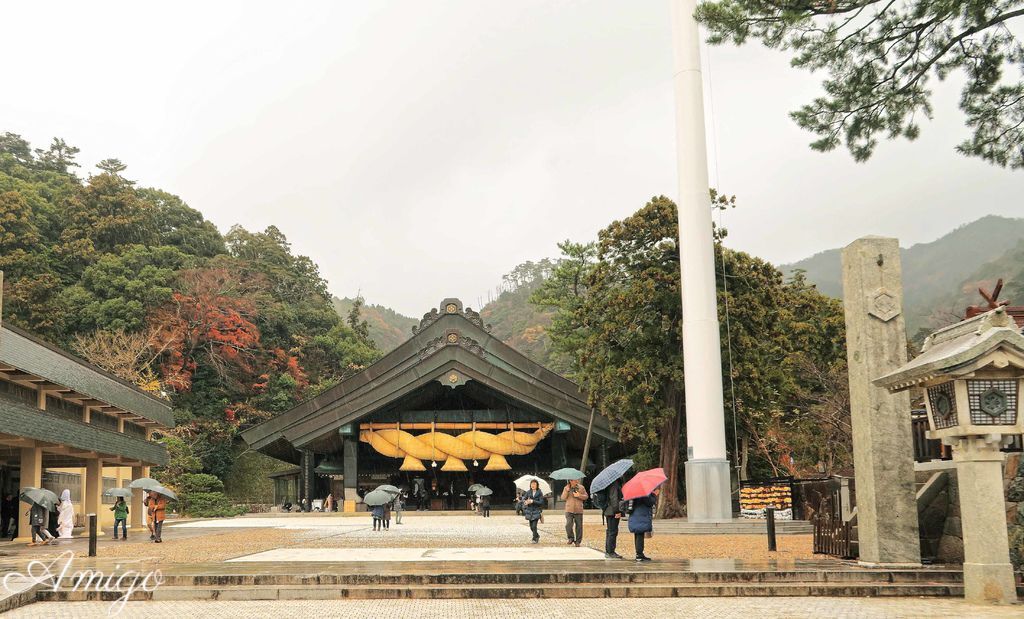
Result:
641,522
378,517
533,503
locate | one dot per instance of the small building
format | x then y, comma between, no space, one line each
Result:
66,424
450,407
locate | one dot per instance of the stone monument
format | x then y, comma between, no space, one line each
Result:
973,374
876,344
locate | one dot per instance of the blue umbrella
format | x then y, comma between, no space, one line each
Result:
610,474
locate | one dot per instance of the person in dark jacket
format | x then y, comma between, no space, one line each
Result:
39,517
533,503
9,516
612,518
377,511
641,522
485,506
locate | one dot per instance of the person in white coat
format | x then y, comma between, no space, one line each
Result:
65,515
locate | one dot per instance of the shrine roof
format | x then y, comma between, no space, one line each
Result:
449,341
953,347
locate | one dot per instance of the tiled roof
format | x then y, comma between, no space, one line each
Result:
32,355
26,421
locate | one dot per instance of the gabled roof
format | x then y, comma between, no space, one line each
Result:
32,355
450,341
953,348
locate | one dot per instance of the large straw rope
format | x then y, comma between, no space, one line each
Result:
439,445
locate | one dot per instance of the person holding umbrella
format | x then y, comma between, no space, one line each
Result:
158,512
642,493
574,494
533,503
606,491
120,510
42,501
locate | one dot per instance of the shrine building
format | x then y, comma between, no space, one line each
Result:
450,407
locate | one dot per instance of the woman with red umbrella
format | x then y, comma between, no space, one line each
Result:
642,492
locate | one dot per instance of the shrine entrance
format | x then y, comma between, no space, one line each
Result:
451,407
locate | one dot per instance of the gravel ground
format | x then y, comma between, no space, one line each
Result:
238,537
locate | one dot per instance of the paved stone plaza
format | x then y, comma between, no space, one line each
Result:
344,555
718,608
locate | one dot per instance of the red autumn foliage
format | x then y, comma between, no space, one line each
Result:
208,321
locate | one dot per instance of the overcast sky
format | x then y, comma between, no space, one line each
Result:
417,150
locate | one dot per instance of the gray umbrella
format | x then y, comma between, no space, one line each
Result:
164,491
121,492
378,497
39,496
475,487
389,489
145,483
484,491
567,473
614,471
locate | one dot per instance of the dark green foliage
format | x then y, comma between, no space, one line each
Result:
208,505
200,482
238,326
881,58
619,316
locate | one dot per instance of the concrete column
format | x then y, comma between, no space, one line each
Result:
350,455
883,450
988,575
707,469
92,489
136,510
31,475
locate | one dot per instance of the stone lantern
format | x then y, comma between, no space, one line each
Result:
973,374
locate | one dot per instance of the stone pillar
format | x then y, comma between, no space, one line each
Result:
350,455
136,510
876,344
988,575
31,475
92,490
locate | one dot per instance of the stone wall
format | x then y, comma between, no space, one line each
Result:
941,533
1013,483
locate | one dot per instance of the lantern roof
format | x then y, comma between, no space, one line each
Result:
952,351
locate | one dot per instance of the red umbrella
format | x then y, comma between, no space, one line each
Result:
643,483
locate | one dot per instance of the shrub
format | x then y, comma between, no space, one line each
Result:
192,483
208,505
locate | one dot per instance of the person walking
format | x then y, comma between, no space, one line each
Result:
399,506
612,518
485,505
574,494
39,518
120,510
65,515
377,511
641,522
148,504
387,516
533,503
158,504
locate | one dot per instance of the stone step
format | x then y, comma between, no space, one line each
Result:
589,578
508,591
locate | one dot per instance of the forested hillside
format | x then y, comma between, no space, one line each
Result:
230,328
938,277
388,328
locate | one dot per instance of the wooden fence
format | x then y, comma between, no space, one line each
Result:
833,537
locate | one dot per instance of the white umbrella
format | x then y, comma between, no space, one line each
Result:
523,483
